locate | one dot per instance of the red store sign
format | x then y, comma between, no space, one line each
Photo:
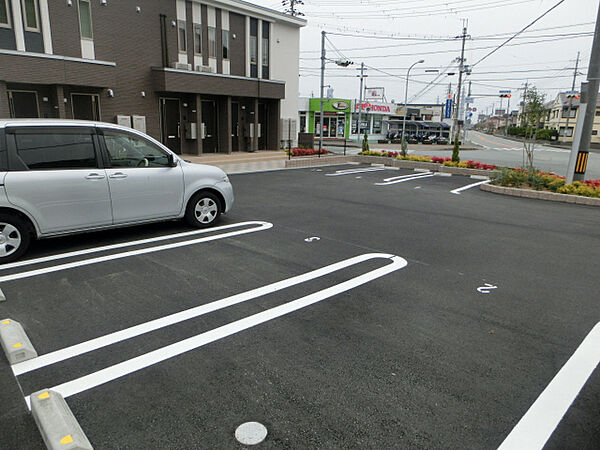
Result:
370,107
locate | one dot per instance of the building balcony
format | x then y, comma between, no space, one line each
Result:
42,68
175,80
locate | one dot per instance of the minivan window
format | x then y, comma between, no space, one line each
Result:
56,150
126,150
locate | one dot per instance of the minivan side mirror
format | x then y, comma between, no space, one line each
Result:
171,160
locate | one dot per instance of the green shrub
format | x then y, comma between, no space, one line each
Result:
547,134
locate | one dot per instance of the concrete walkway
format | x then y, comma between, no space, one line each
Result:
241,162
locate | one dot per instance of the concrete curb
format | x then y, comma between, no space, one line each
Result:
56,422
315,161
15,342
541,195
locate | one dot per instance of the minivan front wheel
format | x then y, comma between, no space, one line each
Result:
14,238
203,210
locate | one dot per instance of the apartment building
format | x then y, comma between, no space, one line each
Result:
200,76
562,116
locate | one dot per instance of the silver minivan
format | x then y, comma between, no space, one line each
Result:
68,176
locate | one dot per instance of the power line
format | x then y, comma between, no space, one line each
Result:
517,33
539,41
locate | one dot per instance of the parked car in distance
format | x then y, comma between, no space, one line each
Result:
61,177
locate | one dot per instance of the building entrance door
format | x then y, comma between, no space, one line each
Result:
85,106
170,121
209,125
23,104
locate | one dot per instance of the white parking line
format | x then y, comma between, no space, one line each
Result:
468,186
128,333
104,248
353,171
412,177
132,365
31,273
539,422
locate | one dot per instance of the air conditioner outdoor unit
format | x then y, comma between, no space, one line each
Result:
208,69
181,66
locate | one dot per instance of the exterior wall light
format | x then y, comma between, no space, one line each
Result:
110,93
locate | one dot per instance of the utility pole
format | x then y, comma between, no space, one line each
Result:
322,87
571,98
523,100
587,108
461,69
360,96
507,113
468,105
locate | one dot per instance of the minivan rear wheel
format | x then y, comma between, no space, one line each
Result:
203,210
15,237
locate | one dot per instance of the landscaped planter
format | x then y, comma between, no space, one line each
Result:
541,195
466,171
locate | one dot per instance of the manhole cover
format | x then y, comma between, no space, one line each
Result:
251,433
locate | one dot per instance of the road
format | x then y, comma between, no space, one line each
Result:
506,152
404,316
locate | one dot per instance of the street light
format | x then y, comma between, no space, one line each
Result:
404,146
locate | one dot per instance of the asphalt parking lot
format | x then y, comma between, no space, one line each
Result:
446,318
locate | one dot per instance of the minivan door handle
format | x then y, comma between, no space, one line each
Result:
94,176
118,175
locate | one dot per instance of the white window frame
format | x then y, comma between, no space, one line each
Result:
79,20
9,23
197,26
37,17
179,24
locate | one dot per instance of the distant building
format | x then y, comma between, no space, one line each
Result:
562,116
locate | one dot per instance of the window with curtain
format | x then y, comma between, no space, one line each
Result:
212,42
85,19
197,39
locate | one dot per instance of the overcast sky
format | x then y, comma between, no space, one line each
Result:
545,56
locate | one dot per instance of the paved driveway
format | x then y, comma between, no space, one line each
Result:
338,309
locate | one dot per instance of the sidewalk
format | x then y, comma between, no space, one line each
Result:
241,162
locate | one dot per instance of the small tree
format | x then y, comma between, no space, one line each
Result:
365,143
533,115
455,150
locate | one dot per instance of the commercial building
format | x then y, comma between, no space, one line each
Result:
420,119
201,76
372,119
377,119
336,117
